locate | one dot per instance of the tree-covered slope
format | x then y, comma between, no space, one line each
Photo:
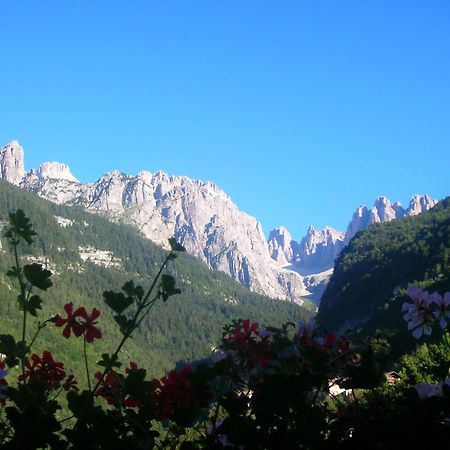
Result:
184,328
366,290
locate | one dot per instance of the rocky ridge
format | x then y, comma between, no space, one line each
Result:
205,220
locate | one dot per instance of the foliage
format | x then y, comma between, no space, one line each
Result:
262,388
368,286
185,328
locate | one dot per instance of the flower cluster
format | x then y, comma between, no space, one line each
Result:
328,355
425,311
44,370
427,390
3,382
79,322
248,346
178,390
112,388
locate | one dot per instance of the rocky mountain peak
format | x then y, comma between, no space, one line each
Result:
318,250
55,170
419,204
384,210
12,162
281,246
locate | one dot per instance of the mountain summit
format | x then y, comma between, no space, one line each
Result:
204,219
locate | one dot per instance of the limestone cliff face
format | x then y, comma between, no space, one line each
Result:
11,162
200,215
55,170
385,211
205,220
313,257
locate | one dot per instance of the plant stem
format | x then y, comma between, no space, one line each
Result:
86,364
127,334
23,295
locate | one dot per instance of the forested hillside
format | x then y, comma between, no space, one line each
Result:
186,327
366,290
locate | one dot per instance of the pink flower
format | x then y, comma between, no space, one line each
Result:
305,330
443,315
419,316
426,390
3,382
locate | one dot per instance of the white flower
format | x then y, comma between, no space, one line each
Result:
425,390
443,314
418,314
218,355
305,330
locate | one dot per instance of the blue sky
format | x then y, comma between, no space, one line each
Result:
300,110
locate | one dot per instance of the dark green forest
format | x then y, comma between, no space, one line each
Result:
368,286
186,327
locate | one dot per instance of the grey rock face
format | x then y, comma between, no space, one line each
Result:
54,170
281,246
315,253
318,250
314,256
200,216
11,163
205,220
385,211
420,204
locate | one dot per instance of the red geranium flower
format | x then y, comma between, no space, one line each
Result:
177,389
90,331
72,324
43,370
112,389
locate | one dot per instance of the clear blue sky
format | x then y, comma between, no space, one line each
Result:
299,110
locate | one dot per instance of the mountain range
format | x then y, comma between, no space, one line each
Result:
204,219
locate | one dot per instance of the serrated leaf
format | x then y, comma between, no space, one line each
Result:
133,291
124,323
135,384
117,301
168,282
167,287
20,226
34,303
175,246
12,350
14,272
80,404
38,276
109,361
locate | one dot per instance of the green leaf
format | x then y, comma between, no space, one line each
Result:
34,303
117,301
175,246
22,349
20,227
133,291
12,350
135,384
8,348
167,287
38,276
124,323
109,361
81,404
14,272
